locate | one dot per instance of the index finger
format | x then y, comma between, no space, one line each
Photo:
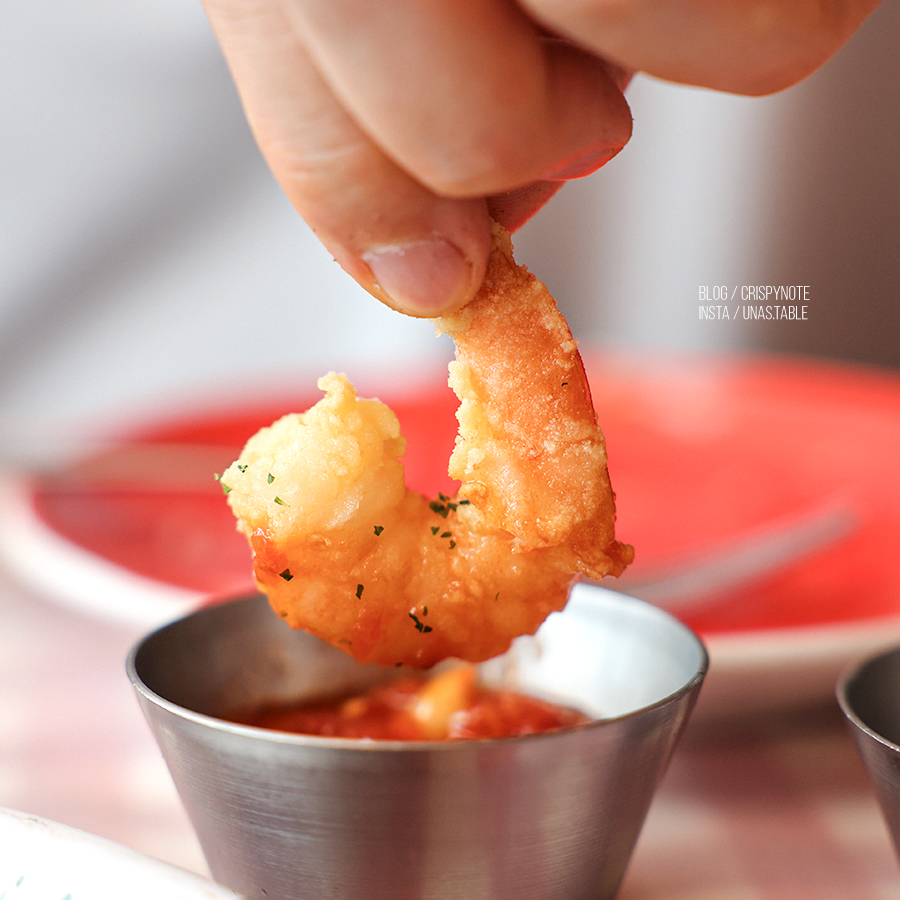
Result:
751,47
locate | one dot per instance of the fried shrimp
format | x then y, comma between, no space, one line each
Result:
344,550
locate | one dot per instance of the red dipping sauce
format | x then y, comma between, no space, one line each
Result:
451,706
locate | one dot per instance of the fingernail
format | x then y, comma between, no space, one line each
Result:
581,166
424,278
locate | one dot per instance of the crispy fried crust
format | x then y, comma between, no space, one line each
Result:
530,454
344,550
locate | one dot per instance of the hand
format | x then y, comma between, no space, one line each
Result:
751,47
397,129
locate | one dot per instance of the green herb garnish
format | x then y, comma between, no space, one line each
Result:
270,478
442,509
378,530
286,575
359,590
280,502
420,626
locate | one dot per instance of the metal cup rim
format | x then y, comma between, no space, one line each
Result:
845,681
363,745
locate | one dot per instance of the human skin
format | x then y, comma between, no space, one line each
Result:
399,129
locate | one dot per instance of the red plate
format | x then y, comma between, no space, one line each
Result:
702,450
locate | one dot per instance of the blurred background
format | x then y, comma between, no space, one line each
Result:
149,263
148,258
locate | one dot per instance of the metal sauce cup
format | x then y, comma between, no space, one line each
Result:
869,695
290,817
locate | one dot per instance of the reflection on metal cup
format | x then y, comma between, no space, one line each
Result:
552,815
869,695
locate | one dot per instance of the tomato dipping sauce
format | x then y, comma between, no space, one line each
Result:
451,706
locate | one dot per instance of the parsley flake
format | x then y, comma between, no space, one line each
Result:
244,467
447,534
286,575
270,478
452,544
280,502
378,530
442,509
435,529
420,626
359,590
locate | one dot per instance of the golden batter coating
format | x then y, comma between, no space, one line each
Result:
530,453
344,550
